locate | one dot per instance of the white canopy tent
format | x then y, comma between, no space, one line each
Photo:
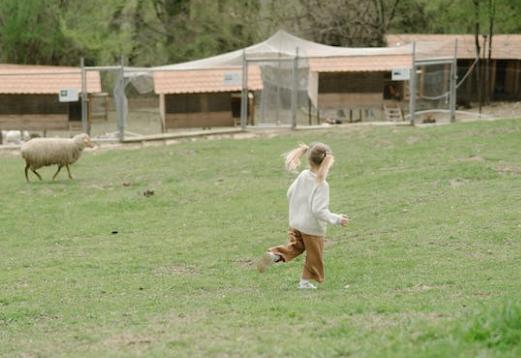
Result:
285,45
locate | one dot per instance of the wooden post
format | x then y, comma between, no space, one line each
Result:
516,79
162,113
493,80
251,108
309,111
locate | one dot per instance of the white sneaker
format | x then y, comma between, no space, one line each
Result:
266,261
305,284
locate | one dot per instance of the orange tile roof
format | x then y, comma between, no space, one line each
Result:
205,80
360,63
503,46
32,79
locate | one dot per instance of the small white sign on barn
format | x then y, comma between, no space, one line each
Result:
69,95
400,74
232,78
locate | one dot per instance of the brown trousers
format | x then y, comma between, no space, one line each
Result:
297,244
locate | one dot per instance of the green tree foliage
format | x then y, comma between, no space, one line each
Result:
100,29
30,33
455,17
155,32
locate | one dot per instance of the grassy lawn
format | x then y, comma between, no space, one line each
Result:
432,254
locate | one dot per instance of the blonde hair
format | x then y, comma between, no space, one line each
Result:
320,157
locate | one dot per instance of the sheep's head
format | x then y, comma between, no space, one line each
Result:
83,139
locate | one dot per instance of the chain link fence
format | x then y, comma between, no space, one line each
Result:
279,91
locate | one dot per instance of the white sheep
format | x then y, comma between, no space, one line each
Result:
41,152
15,137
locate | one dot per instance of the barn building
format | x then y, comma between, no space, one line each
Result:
29,97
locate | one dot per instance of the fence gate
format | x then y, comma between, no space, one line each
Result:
432,84
283,100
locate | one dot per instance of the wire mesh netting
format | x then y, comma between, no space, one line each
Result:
284,94
289,82
433,92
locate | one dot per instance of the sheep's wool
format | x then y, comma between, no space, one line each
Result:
40,152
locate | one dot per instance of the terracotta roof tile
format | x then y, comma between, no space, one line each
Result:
205,80
503,46
30,79
359,63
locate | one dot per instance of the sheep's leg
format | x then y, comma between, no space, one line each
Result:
68,171
26,172
35,172
59,168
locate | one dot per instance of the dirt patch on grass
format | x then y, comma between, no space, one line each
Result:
174,270
374,321
420,287
508,169
128,339
245,263
457,183
474,158
412,140
28,355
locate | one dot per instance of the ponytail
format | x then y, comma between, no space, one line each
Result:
293,157
324,167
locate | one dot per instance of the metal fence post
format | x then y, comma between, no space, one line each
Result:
412,86
121,101
244,92
84,115
294,96
453,80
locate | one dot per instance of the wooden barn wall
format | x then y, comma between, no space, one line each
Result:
33,112
350,89
34,122
198,120
31,104
198,110
504,85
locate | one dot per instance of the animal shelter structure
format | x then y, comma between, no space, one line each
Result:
283,81
43,98
500,78
205,97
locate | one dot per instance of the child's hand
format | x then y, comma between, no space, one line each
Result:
344,220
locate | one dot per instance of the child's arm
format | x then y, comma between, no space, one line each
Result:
320,206
344,220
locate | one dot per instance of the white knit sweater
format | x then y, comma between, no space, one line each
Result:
309,205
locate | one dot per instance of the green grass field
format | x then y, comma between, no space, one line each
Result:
432,254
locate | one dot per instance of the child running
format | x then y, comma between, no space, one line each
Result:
309,214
